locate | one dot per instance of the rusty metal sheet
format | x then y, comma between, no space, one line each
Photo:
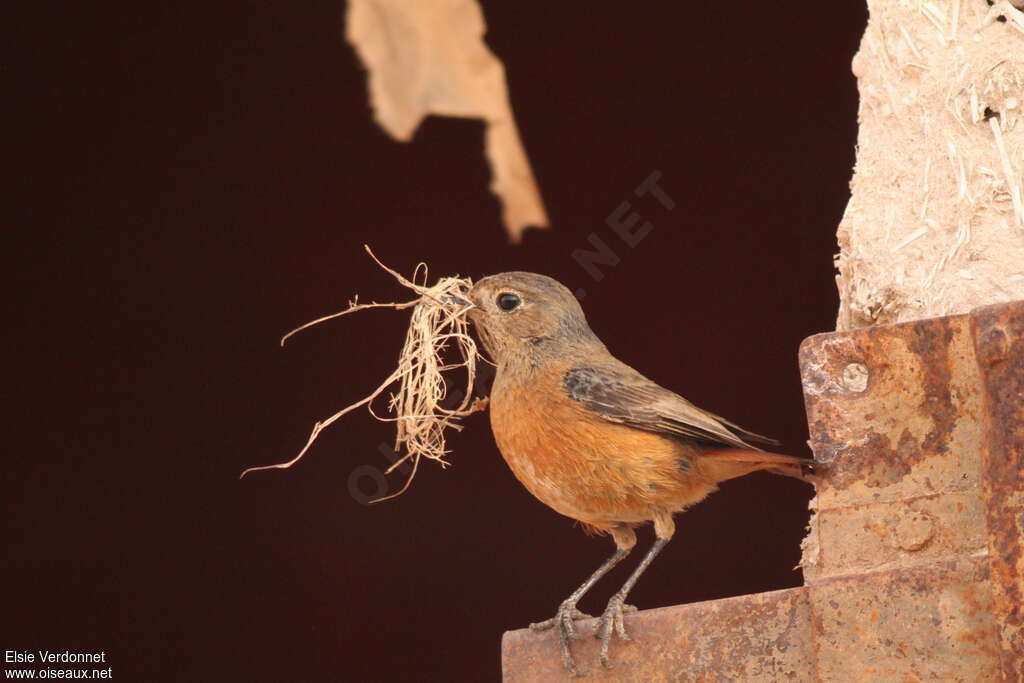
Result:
763,637
998,333
926,623
870,537
894,415
893,411
921,428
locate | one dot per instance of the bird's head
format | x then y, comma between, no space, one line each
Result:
526,313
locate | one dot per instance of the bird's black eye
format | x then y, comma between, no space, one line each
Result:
508,301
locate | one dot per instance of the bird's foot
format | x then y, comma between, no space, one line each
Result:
612,622
563,621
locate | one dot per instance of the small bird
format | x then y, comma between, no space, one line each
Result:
594,439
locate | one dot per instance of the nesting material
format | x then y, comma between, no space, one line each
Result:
437,343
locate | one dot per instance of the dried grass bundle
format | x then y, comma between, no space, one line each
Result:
438,321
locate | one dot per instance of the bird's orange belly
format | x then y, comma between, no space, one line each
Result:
590,469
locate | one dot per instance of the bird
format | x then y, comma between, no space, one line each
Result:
594,439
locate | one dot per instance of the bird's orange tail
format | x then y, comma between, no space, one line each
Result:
729,463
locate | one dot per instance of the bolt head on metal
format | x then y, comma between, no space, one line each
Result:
855,377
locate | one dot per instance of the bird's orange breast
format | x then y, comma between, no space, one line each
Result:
583,466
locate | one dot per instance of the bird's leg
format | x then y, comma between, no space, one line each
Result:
612,619
567,613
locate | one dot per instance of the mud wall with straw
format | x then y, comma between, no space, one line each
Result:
935,224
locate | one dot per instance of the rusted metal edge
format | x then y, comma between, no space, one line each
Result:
998,334
919,623
766,636
930,622
894,416
859,386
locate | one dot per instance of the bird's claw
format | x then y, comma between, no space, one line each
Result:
612,621
563,621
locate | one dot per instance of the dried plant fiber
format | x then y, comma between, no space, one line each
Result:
417,407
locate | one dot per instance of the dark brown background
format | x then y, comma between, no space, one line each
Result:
190,180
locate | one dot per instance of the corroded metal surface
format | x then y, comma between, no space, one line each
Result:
914,562
875,536
763,637
900,435
921,428
932,622
998,333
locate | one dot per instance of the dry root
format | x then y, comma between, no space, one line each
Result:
438,321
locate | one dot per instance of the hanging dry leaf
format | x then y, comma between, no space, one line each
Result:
429,57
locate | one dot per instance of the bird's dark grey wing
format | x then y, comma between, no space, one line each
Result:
621,394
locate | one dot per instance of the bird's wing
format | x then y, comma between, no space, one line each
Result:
621,394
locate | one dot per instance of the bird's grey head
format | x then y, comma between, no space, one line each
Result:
527,313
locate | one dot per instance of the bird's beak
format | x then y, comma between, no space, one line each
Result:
458,301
